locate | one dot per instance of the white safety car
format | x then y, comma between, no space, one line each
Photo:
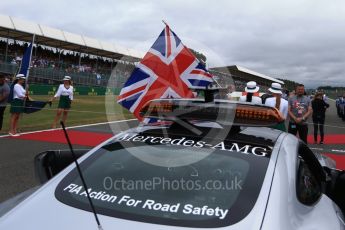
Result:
214,164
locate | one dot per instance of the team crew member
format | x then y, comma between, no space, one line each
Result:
319,113
251,89
342,107
4,92
265,96
279,103
324,96
17,104
65,92
337,104
299,111
286,94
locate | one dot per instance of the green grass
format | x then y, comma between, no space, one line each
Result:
85,110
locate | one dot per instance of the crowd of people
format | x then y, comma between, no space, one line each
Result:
68,62
295,107
17,95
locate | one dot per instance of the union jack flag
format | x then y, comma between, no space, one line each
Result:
168,70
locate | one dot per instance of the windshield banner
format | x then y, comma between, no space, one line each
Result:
149,204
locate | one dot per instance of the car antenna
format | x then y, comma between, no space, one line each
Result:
81,176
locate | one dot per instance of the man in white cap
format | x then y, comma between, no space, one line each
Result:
17,103
278,102
251,89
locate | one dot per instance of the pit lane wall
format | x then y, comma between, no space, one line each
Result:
78,90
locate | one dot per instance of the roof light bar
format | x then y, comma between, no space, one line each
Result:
221,111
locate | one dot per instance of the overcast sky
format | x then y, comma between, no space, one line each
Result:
301,40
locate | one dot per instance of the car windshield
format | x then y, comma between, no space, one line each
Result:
193,183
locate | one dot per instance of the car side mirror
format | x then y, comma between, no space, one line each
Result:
51,162
335,187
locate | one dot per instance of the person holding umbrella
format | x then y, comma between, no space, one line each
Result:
65,93
17,103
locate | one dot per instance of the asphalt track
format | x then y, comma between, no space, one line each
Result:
17,153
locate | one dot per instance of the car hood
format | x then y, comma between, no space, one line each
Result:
42,210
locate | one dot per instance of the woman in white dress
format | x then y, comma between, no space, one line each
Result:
17,103
65,93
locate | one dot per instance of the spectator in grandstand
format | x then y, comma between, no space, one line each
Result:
221,94
319,114
230,88
98,78
14,62
65,93
299,111
4,92
17,103
279,103
251,93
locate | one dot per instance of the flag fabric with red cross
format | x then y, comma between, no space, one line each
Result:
168,70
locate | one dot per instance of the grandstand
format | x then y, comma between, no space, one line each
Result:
57,53
238,76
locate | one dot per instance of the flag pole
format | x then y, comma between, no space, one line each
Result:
28,71
165,23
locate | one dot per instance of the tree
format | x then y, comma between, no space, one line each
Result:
338,88
200,56
288,84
